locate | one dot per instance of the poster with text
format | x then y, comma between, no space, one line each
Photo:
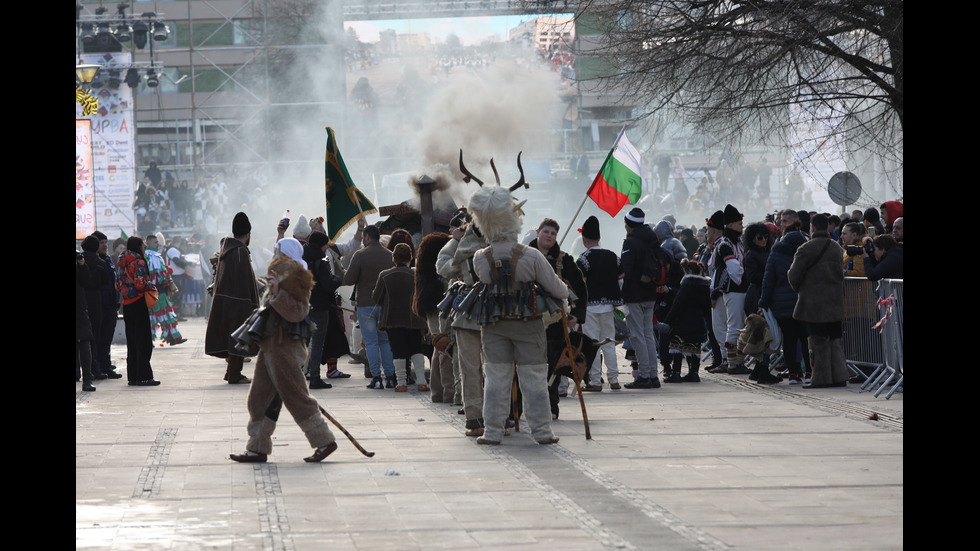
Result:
84,192
113,146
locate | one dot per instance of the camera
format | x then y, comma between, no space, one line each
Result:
858,250
78,256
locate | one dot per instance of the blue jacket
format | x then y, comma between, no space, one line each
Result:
777,294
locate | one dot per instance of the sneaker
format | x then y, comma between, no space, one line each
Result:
376,383
390,382
112,374
795,380
739,369
337,374
807,377
655,383
720,368
356,359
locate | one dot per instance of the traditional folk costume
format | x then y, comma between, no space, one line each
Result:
278,381
163,317
512,339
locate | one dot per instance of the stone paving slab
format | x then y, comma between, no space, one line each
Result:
723,464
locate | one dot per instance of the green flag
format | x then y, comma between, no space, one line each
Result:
344,201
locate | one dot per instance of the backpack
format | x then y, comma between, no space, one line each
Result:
656,266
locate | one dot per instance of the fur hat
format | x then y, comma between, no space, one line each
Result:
302,229
635,217
496,213
291,248
240,225
99,235
717,220
318,239
590,229
90,244
732,214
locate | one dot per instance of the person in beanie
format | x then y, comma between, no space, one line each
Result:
302,230
394,292
601,270
235,297
278,382
640,300
728,288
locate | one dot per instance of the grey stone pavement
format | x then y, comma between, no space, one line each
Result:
723,464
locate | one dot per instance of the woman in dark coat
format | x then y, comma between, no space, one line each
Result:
779,297
686,320
133,283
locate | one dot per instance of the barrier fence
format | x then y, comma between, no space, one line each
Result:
873,332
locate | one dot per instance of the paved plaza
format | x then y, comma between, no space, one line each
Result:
721,464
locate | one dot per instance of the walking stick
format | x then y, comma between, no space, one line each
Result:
343,430
578,386
513,402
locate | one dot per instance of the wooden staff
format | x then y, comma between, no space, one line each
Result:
513,402
578,385
343,430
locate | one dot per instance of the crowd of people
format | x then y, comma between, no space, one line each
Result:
502,325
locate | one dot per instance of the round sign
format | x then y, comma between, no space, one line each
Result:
844,188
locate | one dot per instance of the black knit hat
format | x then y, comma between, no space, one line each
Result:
90,244
318,239
717,220
635,217
240,225
99,235
732,214
590,229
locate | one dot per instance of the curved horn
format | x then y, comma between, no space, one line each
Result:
495,175
466,173
520,182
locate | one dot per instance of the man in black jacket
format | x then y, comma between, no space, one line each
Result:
601,270
322,299
640,299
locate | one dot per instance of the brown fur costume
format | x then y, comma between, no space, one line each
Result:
278,379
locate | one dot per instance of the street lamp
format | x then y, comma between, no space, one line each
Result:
86,72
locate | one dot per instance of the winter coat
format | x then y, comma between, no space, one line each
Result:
755,269
634,249
235,297
134,277
777,294
691,305
365,266
83,325
889,267
600,268
393,293
326,283
817,277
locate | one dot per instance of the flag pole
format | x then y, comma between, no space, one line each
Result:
569,227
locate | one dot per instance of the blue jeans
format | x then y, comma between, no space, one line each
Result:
375,341
644,341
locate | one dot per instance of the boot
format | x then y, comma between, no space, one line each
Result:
674,375
736,361
693,364
838,358
401,375
418,365
762,375
822,375
474,427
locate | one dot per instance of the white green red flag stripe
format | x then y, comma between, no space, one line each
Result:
618,181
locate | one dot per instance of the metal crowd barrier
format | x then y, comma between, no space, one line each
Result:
862,344
873,332
892,330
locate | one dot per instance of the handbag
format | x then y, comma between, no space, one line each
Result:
151,298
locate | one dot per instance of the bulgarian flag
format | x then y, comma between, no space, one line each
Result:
618,181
